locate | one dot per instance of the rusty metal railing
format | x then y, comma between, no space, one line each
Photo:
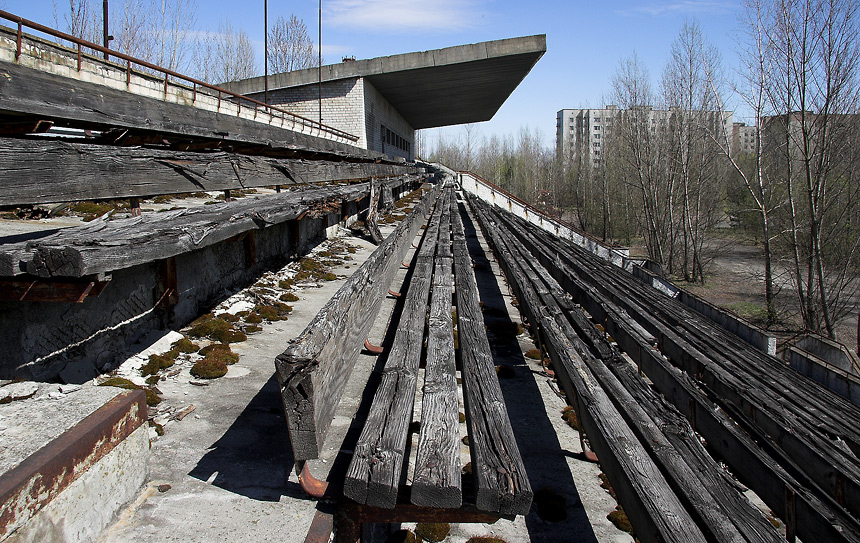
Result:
273,111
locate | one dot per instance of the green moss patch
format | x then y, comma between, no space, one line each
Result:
217,329
152,397
209,368
220,351
185,345
158,362
432,531
285,283
620,520
289,297
276,311
252,329
485,539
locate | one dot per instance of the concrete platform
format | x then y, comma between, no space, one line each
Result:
222,471
229,467
70,458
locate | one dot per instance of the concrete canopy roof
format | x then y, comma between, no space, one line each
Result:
454,85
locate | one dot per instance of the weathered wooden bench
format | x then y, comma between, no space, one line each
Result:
375,485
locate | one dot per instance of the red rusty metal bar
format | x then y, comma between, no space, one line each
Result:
99,48
18,47
43,475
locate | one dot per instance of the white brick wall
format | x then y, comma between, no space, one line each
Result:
342,104
378,111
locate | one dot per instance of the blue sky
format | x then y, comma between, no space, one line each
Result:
585,39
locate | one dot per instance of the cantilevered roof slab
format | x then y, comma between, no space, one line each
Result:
455,85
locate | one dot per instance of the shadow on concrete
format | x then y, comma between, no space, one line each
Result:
254,457
543,455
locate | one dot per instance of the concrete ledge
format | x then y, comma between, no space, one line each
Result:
70,489
836,379
495,195
734,324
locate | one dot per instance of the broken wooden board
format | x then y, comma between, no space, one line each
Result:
314,369
110,245
40,171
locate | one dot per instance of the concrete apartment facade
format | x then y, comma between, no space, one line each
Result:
583,133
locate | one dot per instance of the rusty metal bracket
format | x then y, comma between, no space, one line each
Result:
371,348
311,485
393,294
405,265
52,290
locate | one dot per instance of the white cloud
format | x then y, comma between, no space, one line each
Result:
679,7
402,15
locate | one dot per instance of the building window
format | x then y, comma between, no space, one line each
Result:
391,138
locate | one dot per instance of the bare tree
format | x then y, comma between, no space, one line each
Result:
815,97
643,164
755,76
171,24
79,19
226,55
130,28
688,91
290,46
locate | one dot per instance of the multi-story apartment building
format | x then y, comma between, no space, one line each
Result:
743,138
583,133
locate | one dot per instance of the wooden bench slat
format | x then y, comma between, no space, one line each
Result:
50,171
121,243
314,369
438,480
500,476
375,471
